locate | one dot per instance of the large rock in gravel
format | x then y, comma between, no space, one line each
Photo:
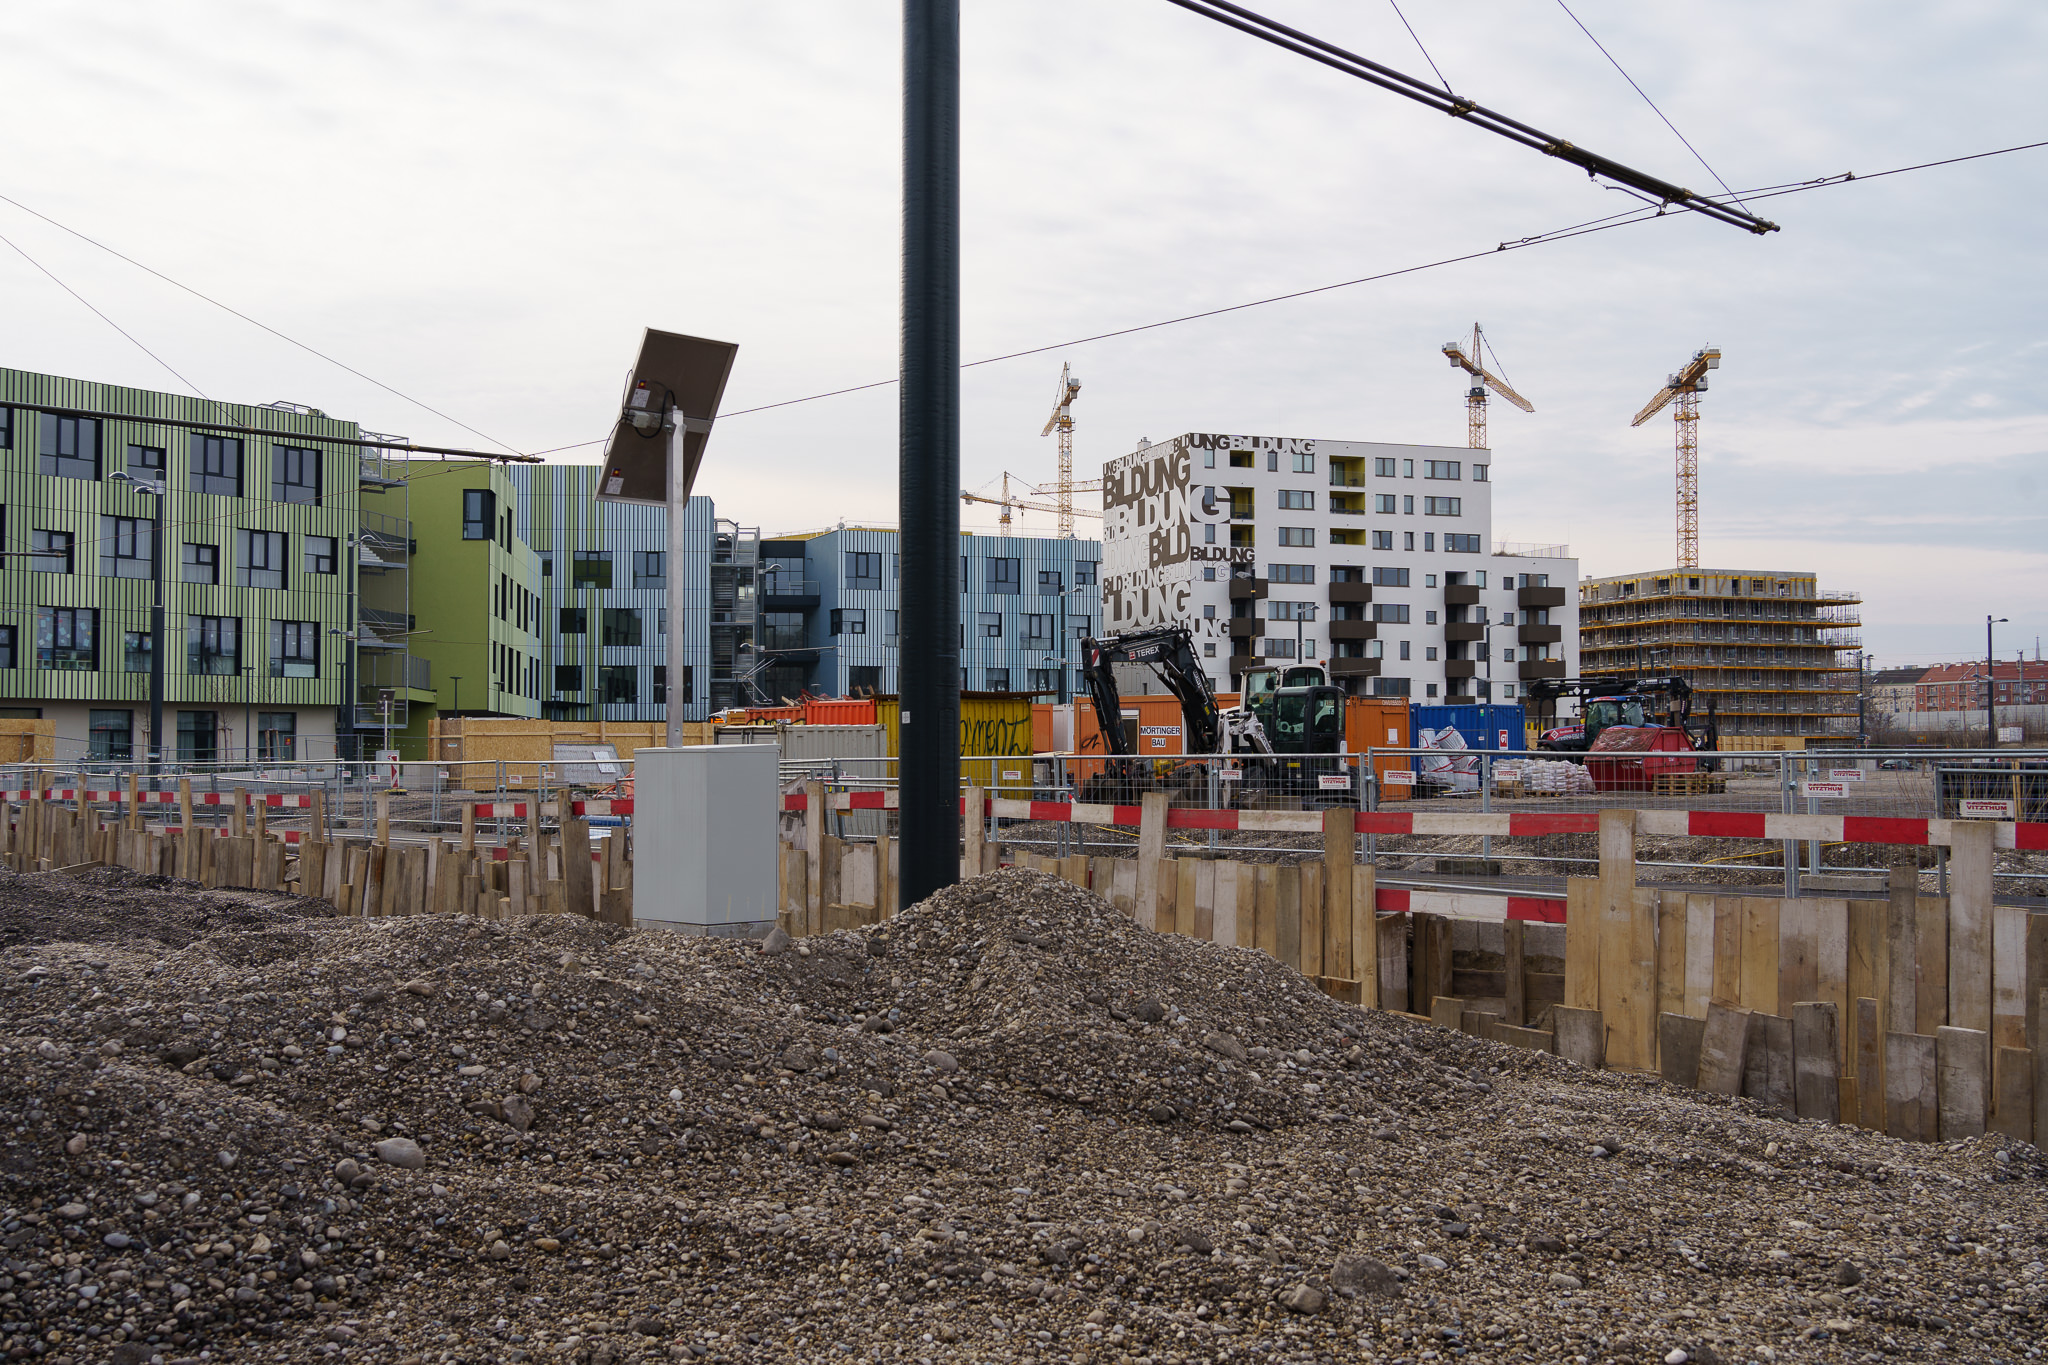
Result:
403,1153
1303,1298
1354,1276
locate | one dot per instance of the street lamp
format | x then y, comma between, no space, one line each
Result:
1990,680
156,611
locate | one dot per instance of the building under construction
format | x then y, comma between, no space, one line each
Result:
1773,653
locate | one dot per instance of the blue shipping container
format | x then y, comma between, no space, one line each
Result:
1484,727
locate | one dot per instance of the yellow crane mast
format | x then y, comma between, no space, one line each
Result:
1686,387
1470,361
1062,421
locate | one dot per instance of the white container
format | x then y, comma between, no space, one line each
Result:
705,850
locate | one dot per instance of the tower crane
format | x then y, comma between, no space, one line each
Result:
1686,387
1062,421
1006,502
1475,397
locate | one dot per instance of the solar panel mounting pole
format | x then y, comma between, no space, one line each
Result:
928,453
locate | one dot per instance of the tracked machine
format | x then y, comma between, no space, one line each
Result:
1630,743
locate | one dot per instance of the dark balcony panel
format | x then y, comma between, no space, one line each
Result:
1241,626
1351,592
1247,589
1542,668
1460,699
1539,597
1354,630
1240,662
1460,668
1464,630
1460,595
1354,668
1539,635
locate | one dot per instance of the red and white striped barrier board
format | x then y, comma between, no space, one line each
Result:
274,800
516,810
501,810
620,805
1468,905
1844,829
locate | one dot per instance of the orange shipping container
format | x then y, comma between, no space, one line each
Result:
1379,723
839,711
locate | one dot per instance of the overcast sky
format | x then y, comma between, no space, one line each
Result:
481,205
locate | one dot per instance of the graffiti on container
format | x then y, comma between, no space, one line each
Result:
981,735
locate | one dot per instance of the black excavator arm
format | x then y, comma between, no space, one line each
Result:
1170,652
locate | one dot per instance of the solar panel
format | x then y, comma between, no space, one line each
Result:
675,387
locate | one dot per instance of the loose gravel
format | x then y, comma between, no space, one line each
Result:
1007,1125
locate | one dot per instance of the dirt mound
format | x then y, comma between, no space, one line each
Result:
1008,1124
114,905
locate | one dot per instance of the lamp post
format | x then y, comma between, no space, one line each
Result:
156,613
1990,682
1862,735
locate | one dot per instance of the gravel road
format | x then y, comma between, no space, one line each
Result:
1010,1125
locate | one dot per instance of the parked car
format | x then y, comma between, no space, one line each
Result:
1896,765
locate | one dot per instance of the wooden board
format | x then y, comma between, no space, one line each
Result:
1582,943
1931,942
973,830
2013,1086
1831,970
1431,962
1724,1049
2008,976
1447,1011
1365,938
1628,977
1671,956
1767,1072
2037,983
1679,1039
1266,930
1187,909
1760,941
579,873
1391,933
1580,1036
1911,1094
1869,1052
1515,966
1798,952
1728,925
1900,925
1287,914
1223,903
1533,1040
1869,975
1962,1063
1969,926
1699,954
1151,856
1817,1061
1311,950
1340,849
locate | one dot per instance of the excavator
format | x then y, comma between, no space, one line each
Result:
1285,713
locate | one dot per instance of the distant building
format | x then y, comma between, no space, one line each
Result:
1773,652
1960,687
1890,694
1374,560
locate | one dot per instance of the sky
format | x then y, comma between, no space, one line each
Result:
480,206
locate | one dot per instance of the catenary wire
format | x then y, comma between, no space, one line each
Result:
226,308
1419,47
1646,99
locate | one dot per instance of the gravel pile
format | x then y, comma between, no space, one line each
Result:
1008,1125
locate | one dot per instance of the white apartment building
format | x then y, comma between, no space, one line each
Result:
1374,560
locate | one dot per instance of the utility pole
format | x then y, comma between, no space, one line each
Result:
1990,683
928,451
155,491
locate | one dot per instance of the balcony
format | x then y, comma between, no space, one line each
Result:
1539,597
1540,668
1354,630
780,592
1347,504
1240,663
1539,635
1341,667
1460,595
378,671
1464,630
1351,592
1247,589
1244,627
1461,668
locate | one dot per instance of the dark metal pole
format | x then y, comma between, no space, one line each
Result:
929,451
156,628
1990,685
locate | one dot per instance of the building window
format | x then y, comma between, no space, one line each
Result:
618,684
999,680
1291,573
1507,690
1240,459
1049,584
111,735
202,564
136,649
621,626
1280,649
573,621
53,552
70,447
1383,467
1389,578
1408,503
1005,577
1429,617
217,466
319,553
1429,540
67,639
259,559
294,649
146,457
1383,540
1383,502
1440,469
1273,461
295,475
658,685
590,569
992,624
849,621
1290,611
650,569
480,514
277,735
1392,613
547,566
1296,500
1081,628
863,569
1457,544
1304,462
6,428
7,655
568,677
1479,476
125,547
1429,653
1038,628
1086,572
1048,679
213,646
198,737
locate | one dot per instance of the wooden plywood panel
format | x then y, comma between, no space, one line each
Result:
1817,1061
1266,933
1223,906
1759,990
1582,943
1671,953
1340,845
1969,926
1391,933
1201,897
1309,956
2008,976
1911,1093
2012,1113
1870,1082
1931,941
1365,946
1869,974
1962,1062
1699,955
1728,925
1901,994
1798,952
1724,1049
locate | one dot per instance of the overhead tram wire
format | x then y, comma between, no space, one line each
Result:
1419,47
1457,106
1646,98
